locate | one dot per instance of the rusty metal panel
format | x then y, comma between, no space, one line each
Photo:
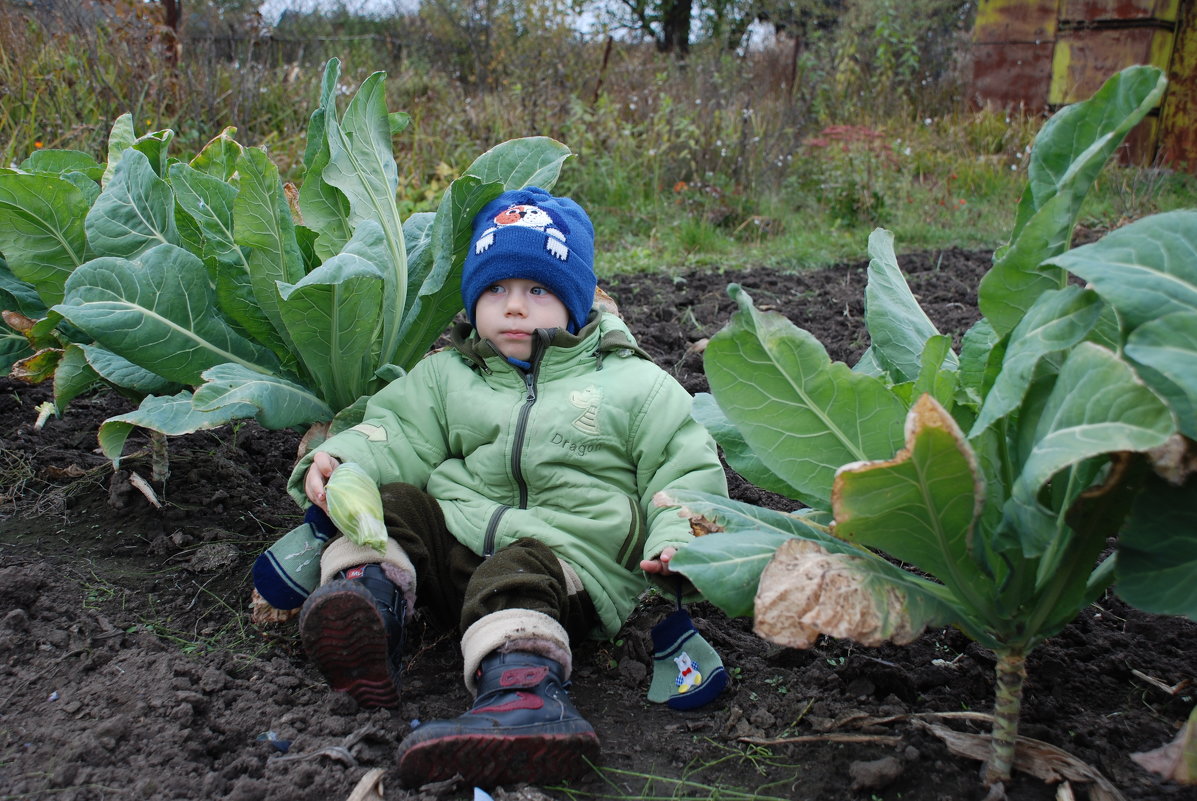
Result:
1178,123
1140,144
1000,21
1084,59
1098,10
1012,75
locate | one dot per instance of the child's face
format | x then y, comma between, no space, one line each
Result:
509,311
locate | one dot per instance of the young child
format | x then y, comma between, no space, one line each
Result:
517,472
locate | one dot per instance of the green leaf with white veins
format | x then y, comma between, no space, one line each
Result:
1157,552
1144,270
436,259
73,376
209,201
801,414
1097,406
1069,152
62,163
18,295
278,403
120,138
120,371
726,566
262,221
1057,321
134,213
935,378
898,326
331,315
531,161
41,230
362,165
325,208
737,453
220,156
13,347
172,415
158,312
920,506
1168,346
1075,142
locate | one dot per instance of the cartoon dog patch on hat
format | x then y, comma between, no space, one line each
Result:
526,215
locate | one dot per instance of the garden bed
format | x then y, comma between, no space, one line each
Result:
130,668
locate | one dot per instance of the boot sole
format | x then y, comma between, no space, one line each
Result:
343,634
489,760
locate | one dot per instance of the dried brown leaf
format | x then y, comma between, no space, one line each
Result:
699,526
1042,760
806,591
261,613
1175,460
369,787
606,302
1177,760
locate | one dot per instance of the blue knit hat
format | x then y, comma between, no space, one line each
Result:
528,233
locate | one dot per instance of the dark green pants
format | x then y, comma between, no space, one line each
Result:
456,587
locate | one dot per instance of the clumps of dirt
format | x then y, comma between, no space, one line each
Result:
129,668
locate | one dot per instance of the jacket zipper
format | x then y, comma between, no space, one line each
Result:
521,431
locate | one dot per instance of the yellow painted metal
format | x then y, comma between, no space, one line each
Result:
1060,88
1005,21
1167,10
1161,49
1178,121
1083,59
1048,52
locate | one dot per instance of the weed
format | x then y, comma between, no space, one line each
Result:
16,471
97,594
626,785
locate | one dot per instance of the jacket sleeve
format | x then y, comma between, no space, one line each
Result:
401,436
672,451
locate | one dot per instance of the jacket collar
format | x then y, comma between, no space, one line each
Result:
603,333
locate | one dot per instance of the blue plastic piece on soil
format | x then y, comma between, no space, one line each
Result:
482,795
279,745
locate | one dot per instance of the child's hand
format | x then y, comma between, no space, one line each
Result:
660,565
314,480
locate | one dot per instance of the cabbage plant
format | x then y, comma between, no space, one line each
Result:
213,291
977,487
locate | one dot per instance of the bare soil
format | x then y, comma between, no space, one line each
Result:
129,667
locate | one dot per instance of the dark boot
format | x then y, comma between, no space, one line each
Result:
521,728
352,628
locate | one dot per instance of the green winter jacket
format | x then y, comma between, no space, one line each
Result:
570,453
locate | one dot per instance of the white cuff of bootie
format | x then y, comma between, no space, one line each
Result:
343,553
514,630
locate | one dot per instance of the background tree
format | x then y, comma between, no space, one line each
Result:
486,43
664,22
675,25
